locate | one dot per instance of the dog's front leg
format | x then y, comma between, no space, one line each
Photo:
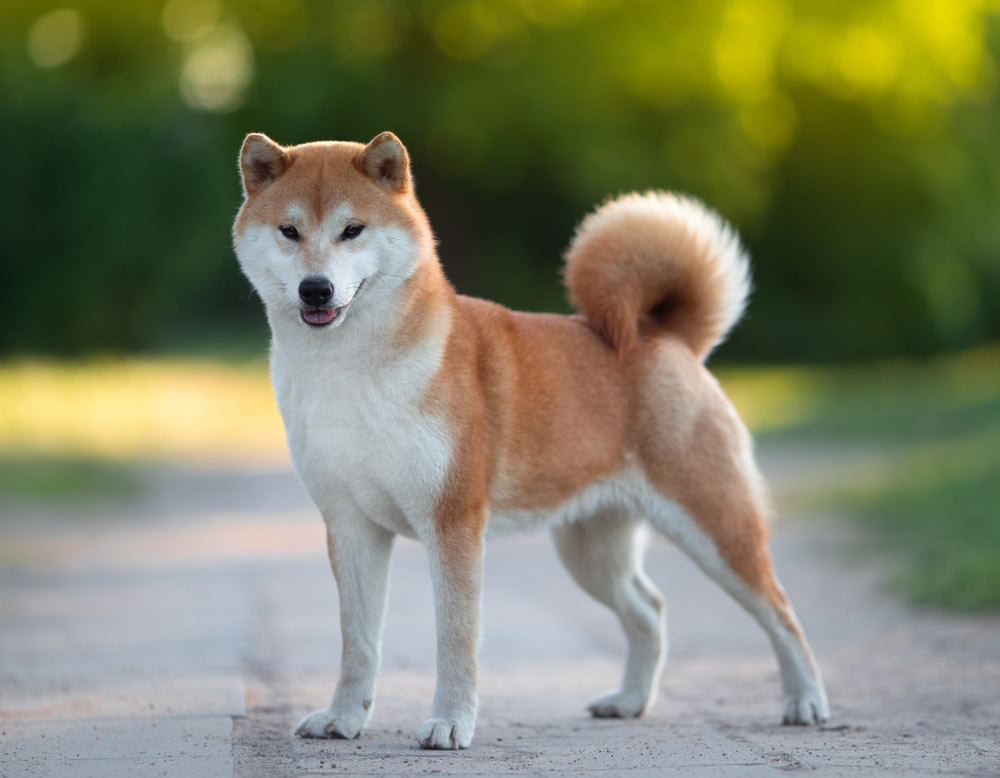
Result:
359,552
456,562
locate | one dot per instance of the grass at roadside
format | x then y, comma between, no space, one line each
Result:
942,512
187,409
935,505
64,480
71,433
71,429
895,403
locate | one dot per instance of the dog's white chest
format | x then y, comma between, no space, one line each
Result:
361,442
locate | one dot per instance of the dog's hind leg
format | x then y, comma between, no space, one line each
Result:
711,505
751,581
604,555
701,488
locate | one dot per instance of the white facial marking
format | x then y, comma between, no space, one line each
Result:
374,262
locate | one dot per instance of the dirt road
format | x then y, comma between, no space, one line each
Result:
185,634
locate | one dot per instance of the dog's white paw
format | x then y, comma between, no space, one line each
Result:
331,724
808,706
618,704
446,734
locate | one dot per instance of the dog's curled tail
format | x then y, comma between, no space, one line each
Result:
663,257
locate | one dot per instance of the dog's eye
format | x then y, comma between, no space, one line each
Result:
351,231
289,231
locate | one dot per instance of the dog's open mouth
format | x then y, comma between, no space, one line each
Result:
323,317
320,317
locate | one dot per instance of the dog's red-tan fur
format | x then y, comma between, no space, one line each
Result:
539,407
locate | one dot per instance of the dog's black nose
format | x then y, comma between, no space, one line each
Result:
315,290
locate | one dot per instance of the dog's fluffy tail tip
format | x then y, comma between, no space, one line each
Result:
661,256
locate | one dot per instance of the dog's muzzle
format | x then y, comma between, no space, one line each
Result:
316,292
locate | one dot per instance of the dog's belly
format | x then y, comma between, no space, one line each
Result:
621,493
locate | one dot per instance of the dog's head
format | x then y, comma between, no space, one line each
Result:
327,228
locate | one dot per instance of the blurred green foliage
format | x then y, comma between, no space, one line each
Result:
853,143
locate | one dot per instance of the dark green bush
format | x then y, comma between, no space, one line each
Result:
854,144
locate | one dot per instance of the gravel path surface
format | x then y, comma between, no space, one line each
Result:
184,635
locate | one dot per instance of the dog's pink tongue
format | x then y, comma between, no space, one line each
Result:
319,317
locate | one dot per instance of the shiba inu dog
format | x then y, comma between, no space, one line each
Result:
413,410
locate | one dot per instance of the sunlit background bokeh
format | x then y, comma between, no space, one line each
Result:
856,146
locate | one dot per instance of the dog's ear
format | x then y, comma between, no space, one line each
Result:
261,162
386,162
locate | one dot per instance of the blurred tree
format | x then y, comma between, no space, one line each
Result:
853,143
